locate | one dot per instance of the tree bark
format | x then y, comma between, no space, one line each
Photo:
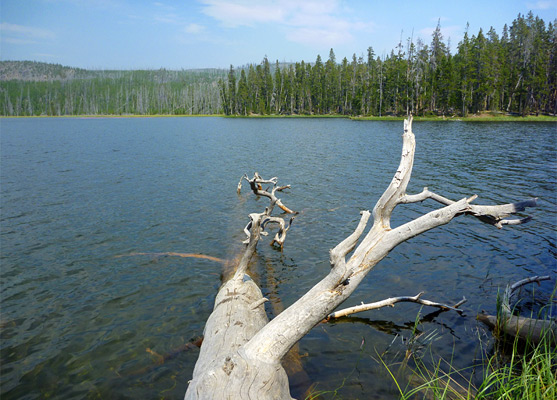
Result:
532,330
390,302
241,353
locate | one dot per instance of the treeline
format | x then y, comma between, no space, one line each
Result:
515,72
55,91
38,71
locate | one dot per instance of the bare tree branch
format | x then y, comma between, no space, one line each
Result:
265,217
175,254
273,341
280,236
494,215
528,329
509,291
348,244
390,302
241,354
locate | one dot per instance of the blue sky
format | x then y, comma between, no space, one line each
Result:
133,34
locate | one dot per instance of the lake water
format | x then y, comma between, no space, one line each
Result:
79,197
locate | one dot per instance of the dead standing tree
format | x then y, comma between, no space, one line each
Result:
242,350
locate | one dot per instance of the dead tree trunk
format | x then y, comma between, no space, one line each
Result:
532,330
241,353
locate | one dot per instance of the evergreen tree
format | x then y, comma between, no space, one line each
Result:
243,94
516,72
232,99
278,94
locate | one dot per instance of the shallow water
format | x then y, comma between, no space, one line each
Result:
80,196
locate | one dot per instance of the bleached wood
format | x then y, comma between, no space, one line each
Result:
274,340
243,359
495,215
222,370
265,217
509,291
532,330
528,329
390,302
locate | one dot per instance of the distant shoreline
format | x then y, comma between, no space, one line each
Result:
470,118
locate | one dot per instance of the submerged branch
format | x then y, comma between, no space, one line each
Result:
273,341
174,254
390,302
533,330
265,217
509,291
243,350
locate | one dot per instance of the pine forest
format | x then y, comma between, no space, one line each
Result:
511,72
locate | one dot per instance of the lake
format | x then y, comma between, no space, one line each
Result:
84,316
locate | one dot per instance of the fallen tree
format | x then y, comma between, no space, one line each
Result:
241,354
532,330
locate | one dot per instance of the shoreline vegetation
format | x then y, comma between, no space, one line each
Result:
483,117
488,75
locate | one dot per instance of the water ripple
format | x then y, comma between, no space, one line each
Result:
77,318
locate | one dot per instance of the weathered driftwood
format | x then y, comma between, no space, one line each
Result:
175,254
266,218
299,381
532,330
223,371
241,354
390,302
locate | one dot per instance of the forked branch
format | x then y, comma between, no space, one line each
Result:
241,354
533,330
390,302
262,219
256,186
272,342
509,291
494,215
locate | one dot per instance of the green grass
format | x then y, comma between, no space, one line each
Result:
528,374
484,117
512,371
100,116
287,116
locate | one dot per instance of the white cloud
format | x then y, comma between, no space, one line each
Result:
21,34
194,29
542,5
322,23
234,13
12,40
163,6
